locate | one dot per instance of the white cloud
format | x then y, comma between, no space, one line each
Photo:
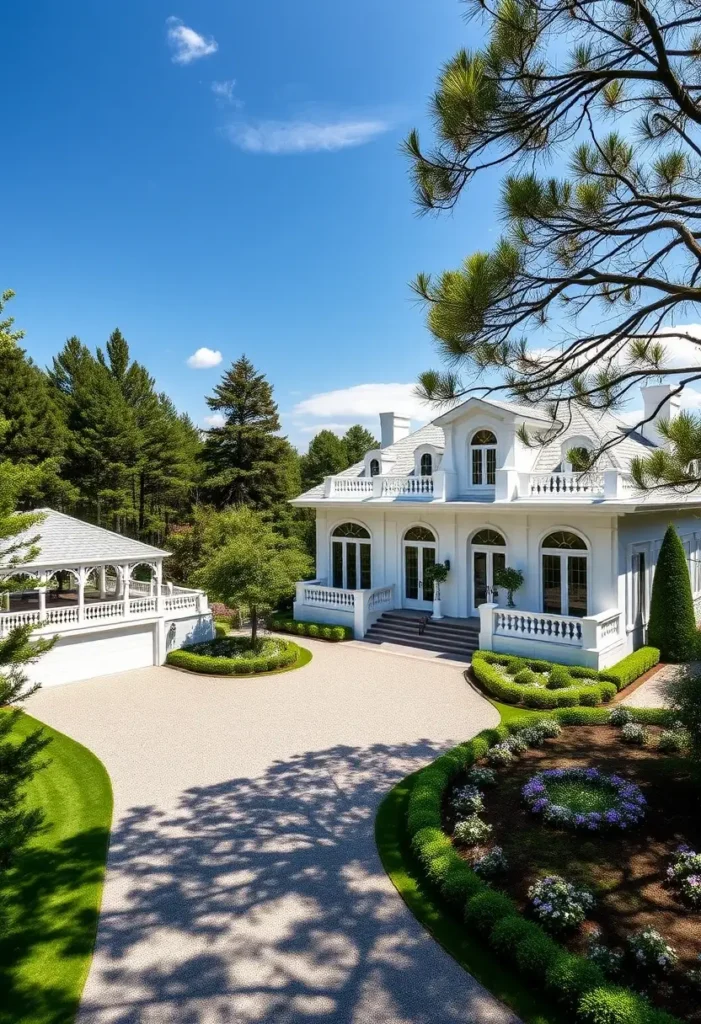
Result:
204,359
681,351
216,419
225,92
186,44
364,402
284,137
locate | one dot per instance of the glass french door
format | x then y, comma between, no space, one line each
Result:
418,591
351,565
565,585
485,562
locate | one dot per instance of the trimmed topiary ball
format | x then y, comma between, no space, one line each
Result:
672,625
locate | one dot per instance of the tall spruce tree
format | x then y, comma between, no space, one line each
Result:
584,295
326,455
246,461
33,435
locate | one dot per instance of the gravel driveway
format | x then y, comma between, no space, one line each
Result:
244,886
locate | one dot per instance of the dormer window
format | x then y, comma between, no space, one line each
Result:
576,455
426,464
483,454
374,467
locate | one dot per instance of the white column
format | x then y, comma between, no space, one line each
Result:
81,593
159,586
359,612
126,570
41,590
103,583
486,625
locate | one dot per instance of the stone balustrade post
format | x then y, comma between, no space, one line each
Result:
486,624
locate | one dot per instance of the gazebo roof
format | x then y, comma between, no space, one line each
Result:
66,541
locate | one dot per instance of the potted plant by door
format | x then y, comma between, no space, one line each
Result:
511,580
437,574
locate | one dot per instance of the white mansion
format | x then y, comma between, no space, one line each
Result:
465,490
103,596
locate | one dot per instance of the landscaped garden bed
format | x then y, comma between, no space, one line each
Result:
236,655
541,684
560,847
314,630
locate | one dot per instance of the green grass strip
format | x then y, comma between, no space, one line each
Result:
451,934
52,895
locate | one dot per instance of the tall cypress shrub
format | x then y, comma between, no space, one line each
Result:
672,625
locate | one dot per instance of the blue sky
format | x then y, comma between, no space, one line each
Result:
228,176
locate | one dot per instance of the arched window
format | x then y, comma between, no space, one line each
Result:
577,455
565,574
351,557
490,537
374,467
420,533
483,448
426,464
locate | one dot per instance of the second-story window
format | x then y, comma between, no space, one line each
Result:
483,455
374,467
426,465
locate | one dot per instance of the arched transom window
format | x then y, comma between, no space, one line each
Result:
351,557
490,537
426,464
565,574
483,459
420,533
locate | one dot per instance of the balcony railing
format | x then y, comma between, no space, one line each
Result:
511,485
56,620
593,633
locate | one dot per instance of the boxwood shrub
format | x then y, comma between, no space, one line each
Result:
575,982
196,659
562,690
316,630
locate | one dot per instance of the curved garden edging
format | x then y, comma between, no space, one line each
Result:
427,856
224,668
54,892
602,687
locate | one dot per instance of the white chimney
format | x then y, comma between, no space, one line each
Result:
652,396
393,428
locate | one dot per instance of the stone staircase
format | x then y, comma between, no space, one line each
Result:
449,638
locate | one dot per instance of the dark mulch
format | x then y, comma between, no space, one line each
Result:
626,871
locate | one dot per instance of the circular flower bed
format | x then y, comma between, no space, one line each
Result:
584,798
234,655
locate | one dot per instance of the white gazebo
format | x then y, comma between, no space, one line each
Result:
103,595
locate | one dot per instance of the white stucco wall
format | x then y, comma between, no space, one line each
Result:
84,655
191,630
454,529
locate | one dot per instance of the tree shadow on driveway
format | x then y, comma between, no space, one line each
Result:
264,900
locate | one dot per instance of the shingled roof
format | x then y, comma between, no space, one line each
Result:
66,541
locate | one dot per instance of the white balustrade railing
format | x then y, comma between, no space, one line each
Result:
99,611
328,597
577,485
407,486
142,605
10,620
333,605
179,601
558,629
351,486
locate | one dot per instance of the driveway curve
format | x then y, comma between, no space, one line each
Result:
243,883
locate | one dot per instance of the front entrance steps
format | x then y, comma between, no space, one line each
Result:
456,639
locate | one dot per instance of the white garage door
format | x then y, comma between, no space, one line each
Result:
78,657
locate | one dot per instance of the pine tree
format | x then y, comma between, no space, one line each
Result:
358,441
33,433
326,456
606,92
672,626
19,761
246,462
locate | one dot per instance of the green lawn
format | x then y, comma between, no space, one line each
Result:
52,895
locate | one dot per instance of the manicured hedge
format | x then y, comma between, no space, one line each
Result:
196,661
222,629
632,667
538,697
672,625
315,630
600,690
575,982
